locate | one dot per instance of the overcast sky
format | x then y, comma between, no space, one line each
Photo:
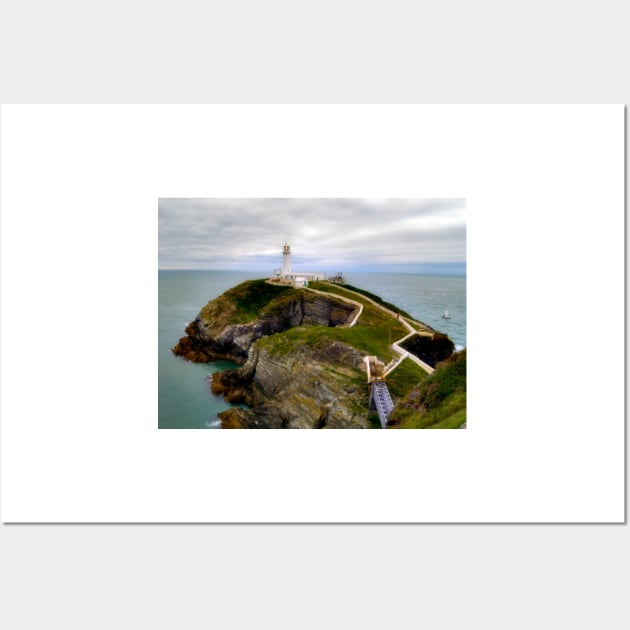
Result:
324,234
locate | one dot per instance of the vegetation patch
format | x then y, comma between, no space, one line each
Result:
439,402
370,340
374,420
255,296
373,334
404,378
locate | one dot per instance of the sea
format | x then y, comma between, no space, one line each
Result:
184,397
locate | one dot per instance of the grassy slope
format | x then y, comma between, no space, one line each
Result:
372,334
404,378
439,402
245,303
254,297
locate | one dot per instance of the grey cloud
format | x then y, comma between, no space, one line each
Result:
250,232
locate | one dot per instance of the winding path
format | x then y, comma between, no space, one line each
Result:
404,354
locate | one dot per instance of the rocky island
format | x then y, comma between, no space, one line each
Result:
303,354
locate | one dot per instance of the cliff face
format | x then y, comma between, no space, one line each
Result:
306,388
217,332
297,385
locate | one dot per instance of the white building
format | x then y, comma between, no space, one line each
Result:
286,261
297,278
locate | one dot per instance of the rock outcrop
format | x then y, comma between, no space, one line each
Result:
217,332
304,386
430,348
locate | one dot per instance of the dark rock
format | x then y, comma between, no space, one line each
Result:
300,389
430,348
212,336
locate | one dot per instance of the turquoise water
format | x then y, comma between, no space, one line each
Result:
185,400
184,397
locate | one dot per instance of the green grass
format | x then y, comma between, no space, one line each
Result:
454,421
373,334
371,339
404,378
251,298
374,329
444,381
368,339
439,402
354,293
451,414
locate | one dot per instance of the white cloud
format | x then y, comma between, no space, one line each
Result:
249,233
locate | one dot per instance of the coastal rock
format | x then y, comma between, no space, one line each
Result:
305,388
284,384
215,333
238,418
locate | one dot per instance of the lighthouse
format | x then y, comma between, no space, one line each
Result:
286,260
297,279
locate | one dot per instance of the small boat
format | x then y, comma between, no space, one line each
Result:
445,315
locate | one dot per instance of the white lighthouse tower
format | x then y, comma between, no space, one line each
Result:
286,260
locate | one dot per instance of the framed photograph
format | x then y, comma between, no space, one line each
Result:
360,324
